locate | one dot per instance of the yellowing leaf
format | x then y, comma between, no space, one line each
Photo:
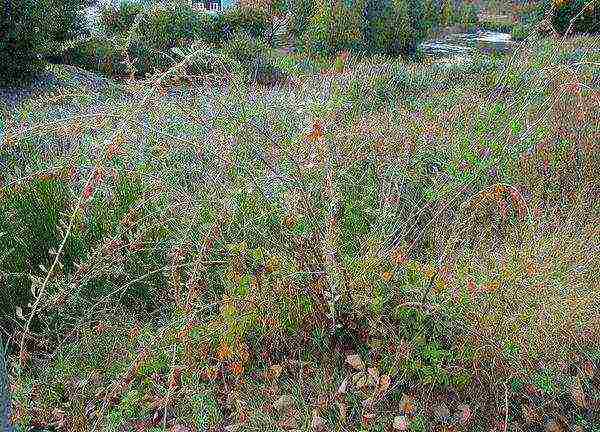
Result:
275,371
360,379
373,375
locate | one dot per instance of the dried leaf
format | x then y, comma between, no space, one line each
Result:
180,428
355,361
343,411
578,394
343,387
288,423
588,368
175,381
530,414
464,413
367,418
400,423
232,427
317,422
407,404
384,383
373,374
554,426
275,371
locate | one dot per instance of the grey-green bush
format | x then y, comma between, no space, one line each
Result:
19,46
97,54
252,59
120,18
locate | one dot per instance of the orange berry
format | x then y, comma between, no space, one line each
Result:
236,368
224,351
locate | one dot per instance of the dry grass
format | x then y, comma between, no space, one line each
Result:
440,228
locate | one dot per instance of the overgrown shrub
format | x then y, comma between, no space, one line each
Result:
390,28
118,19
34,217
164,27
585,15
334,28
97,54
425,16
468,16
250,20
519,32
367,26
252,56
562,13
30,217
62,21
33,30
300,13
19,45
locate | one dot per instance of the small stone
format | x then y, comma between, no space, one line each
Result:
283,403
355,361
180,428
441,412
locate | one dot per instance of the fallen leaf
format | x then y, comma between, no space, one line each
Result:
288,423
588,368
530,414
232,427
578,394
317,422
275,371
180,428
554,426
464,413
384,383
236,368
355,361
283,403
367,418
224,351
175,380
400,423
407,404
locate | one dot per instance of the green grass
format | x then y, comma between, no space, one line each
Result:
460,203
